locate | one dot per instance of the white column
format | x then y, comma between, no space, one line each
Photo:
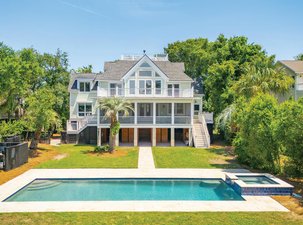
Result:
190,137
154,140
135,136
98,129
99,135
135,112
154,113
191,113
172,137
173,113
98,116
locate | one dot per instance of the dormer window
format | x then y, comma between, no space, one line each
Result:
84,86
145,73
145,64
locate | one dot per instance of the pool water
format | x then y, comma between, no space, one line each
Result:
125,189
256,180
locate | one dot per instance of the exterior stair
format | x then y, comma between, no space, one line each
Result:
200,133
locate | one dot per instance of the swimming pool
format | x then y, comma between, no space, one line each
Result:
123,189
256,179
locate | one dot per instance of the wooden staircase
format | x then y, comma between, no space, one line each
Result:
200,133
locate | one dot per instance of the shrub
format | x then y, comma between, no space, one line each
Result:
101,149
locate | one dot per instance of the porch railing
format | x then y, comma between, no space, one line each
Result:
163,119
182,120
145,119
144,92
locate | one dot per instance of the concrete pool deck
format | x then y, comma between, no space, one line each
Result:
251,203
146,169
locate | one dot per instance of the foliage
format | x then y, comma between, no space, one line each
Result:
299,57
101,149
24,72
255,143
290,135
219,63
260,80
40,115
85,69
11,128
111,108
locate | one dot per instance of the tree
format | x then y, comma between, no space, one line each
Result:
218,63
289,132
299,57
40,115
260,80
85,69
255,142
112,107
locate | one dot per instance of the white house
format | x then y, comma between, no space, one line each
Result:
294,68
166,110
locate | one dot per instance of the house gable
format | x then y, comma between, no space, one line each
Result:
145,64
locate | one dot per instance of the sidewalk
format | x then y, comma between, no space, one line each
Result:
146,160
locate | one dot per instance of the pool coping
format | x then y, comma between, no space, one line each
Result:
279,183
251,203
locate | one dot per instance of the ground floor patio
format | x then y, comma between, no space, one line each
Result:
147,136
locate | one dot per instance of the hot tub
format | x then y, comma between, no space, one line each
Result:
258,184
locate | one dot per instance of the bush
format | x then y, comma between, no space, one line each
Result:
101,149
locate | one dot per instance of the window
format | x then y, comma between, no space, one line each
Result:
145,64
95,86
145,87
158,85
84,86
196,107
74,85
170,90
157,75
84,109
132,87
145,73
132,75
180,109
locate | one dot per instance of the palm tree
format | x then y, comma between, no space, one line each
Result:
111,107
258,79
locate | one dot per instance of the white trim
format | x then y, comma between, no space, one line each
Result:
153,67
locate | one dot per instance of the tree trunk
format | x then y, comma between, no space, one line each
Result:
111,142
34,143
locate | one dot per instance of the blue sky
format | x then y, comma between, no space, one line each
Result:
94,31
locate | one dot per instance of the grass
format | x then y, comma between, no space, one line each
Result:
150,218
187,157
45,153
81,156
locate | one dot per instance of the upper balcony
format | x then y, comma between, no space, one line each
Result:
145,92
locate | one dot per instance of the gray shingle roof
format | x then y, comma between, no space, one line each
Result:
294,65
117,69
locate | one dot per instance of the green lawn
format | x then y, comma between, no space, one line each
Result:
187,157
80,156
142,218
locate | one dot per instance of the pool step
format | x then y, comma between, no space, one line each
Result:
43,184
